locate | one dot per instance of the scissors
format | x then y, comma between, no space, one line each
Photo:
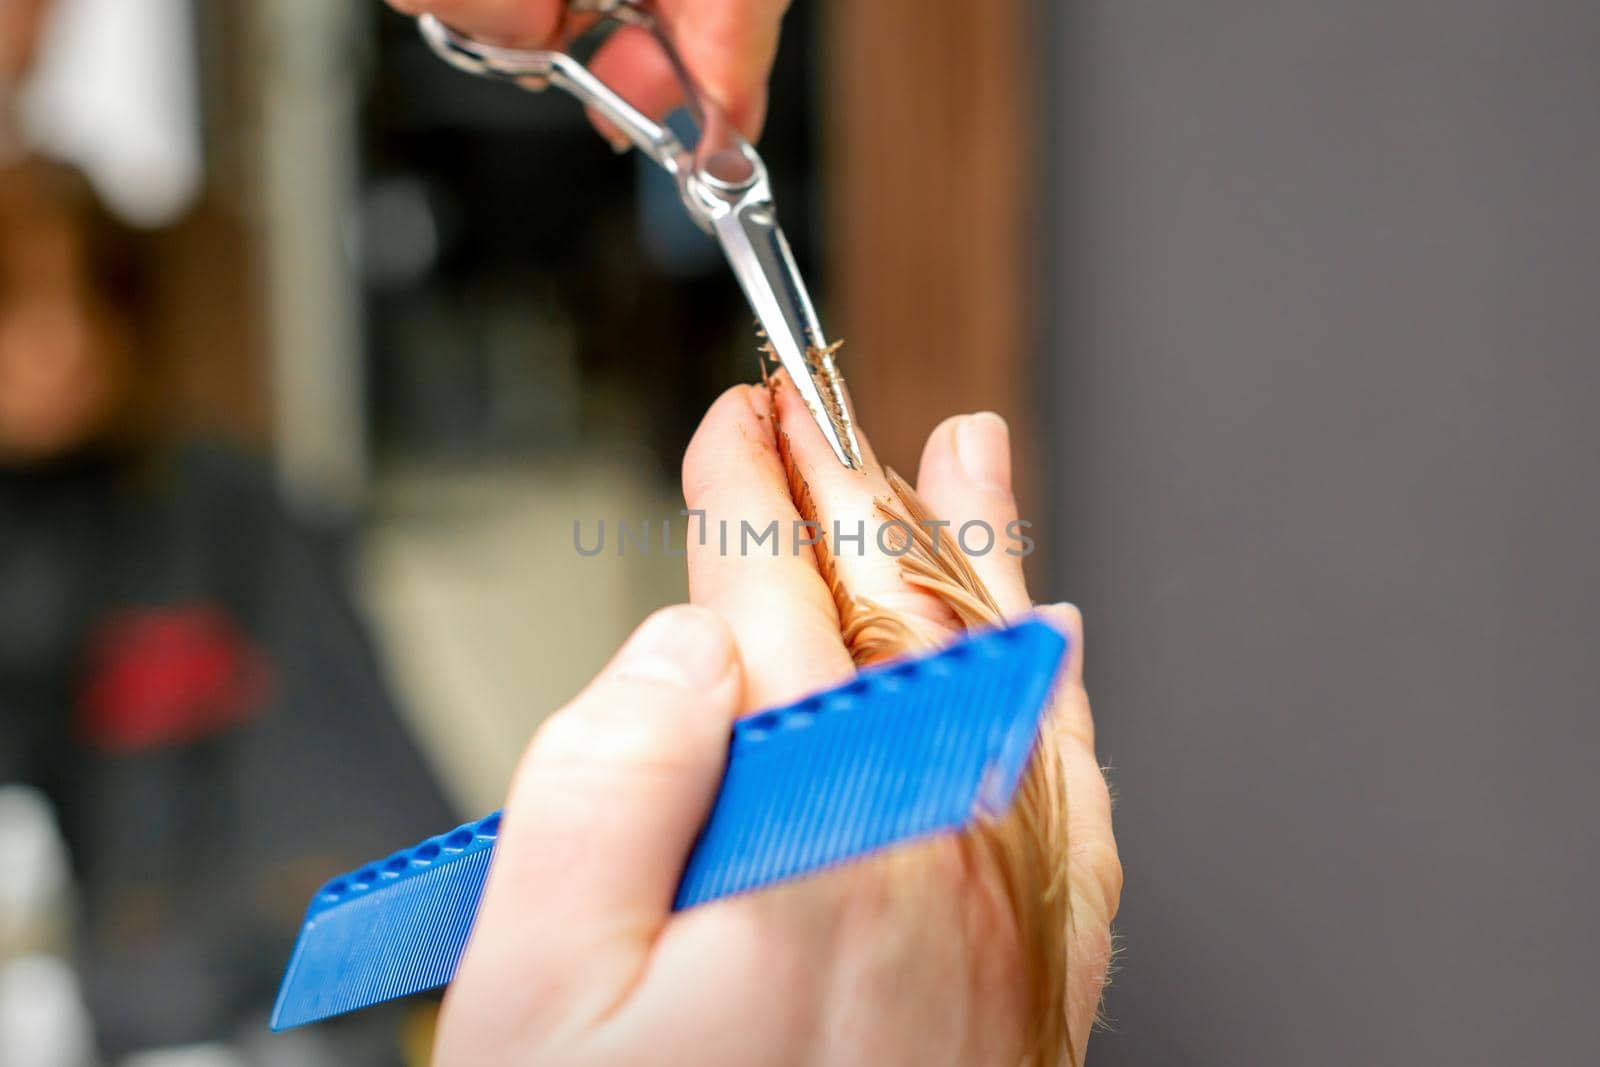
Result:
721,181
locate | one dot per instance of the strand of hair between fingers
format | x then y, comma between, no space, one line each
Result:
1027,847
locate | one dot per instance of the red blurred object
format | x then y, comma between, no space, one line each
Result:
163,677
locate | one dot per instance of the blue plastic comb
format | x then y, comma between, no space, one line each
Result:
902,751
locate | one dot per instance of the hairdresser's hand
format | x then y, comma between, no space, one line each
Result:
728,45
903,959
783,616
576,958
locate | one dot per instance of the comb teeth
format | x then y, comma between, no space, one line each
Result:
390,929
901,752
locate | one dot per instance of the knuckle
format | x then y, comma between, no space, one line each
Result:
575,741
1098,876
1071,619
1077,730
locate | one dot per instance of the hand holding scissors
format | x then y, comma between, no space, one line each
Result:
728,45
720,177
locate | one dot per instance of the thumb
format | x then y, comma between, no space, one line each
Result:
602,814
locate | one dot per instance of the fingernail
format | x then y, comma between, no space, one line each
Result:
620,144
1068,617
983,447
681,646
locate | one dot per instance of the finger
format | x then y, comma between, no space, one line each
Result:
1097,873
865,547
602,815
729,46
965,477
770,593
635,66
509,23
1094,870
1068,621
1094,882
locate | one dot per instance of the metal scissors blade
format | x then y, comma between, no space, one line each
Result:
759,255
722,182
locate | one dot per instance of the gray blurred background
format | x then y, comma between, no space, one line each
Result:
1325,422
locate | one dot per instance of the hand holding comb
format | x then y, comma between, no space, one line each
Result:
902,751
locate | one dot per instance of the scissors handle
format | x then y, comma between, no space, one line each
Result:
721,157
721,181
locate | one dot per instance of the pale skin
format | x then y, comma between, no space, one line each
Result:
902,959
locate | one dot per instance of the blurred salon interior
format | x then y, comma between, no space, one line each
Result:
314,352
